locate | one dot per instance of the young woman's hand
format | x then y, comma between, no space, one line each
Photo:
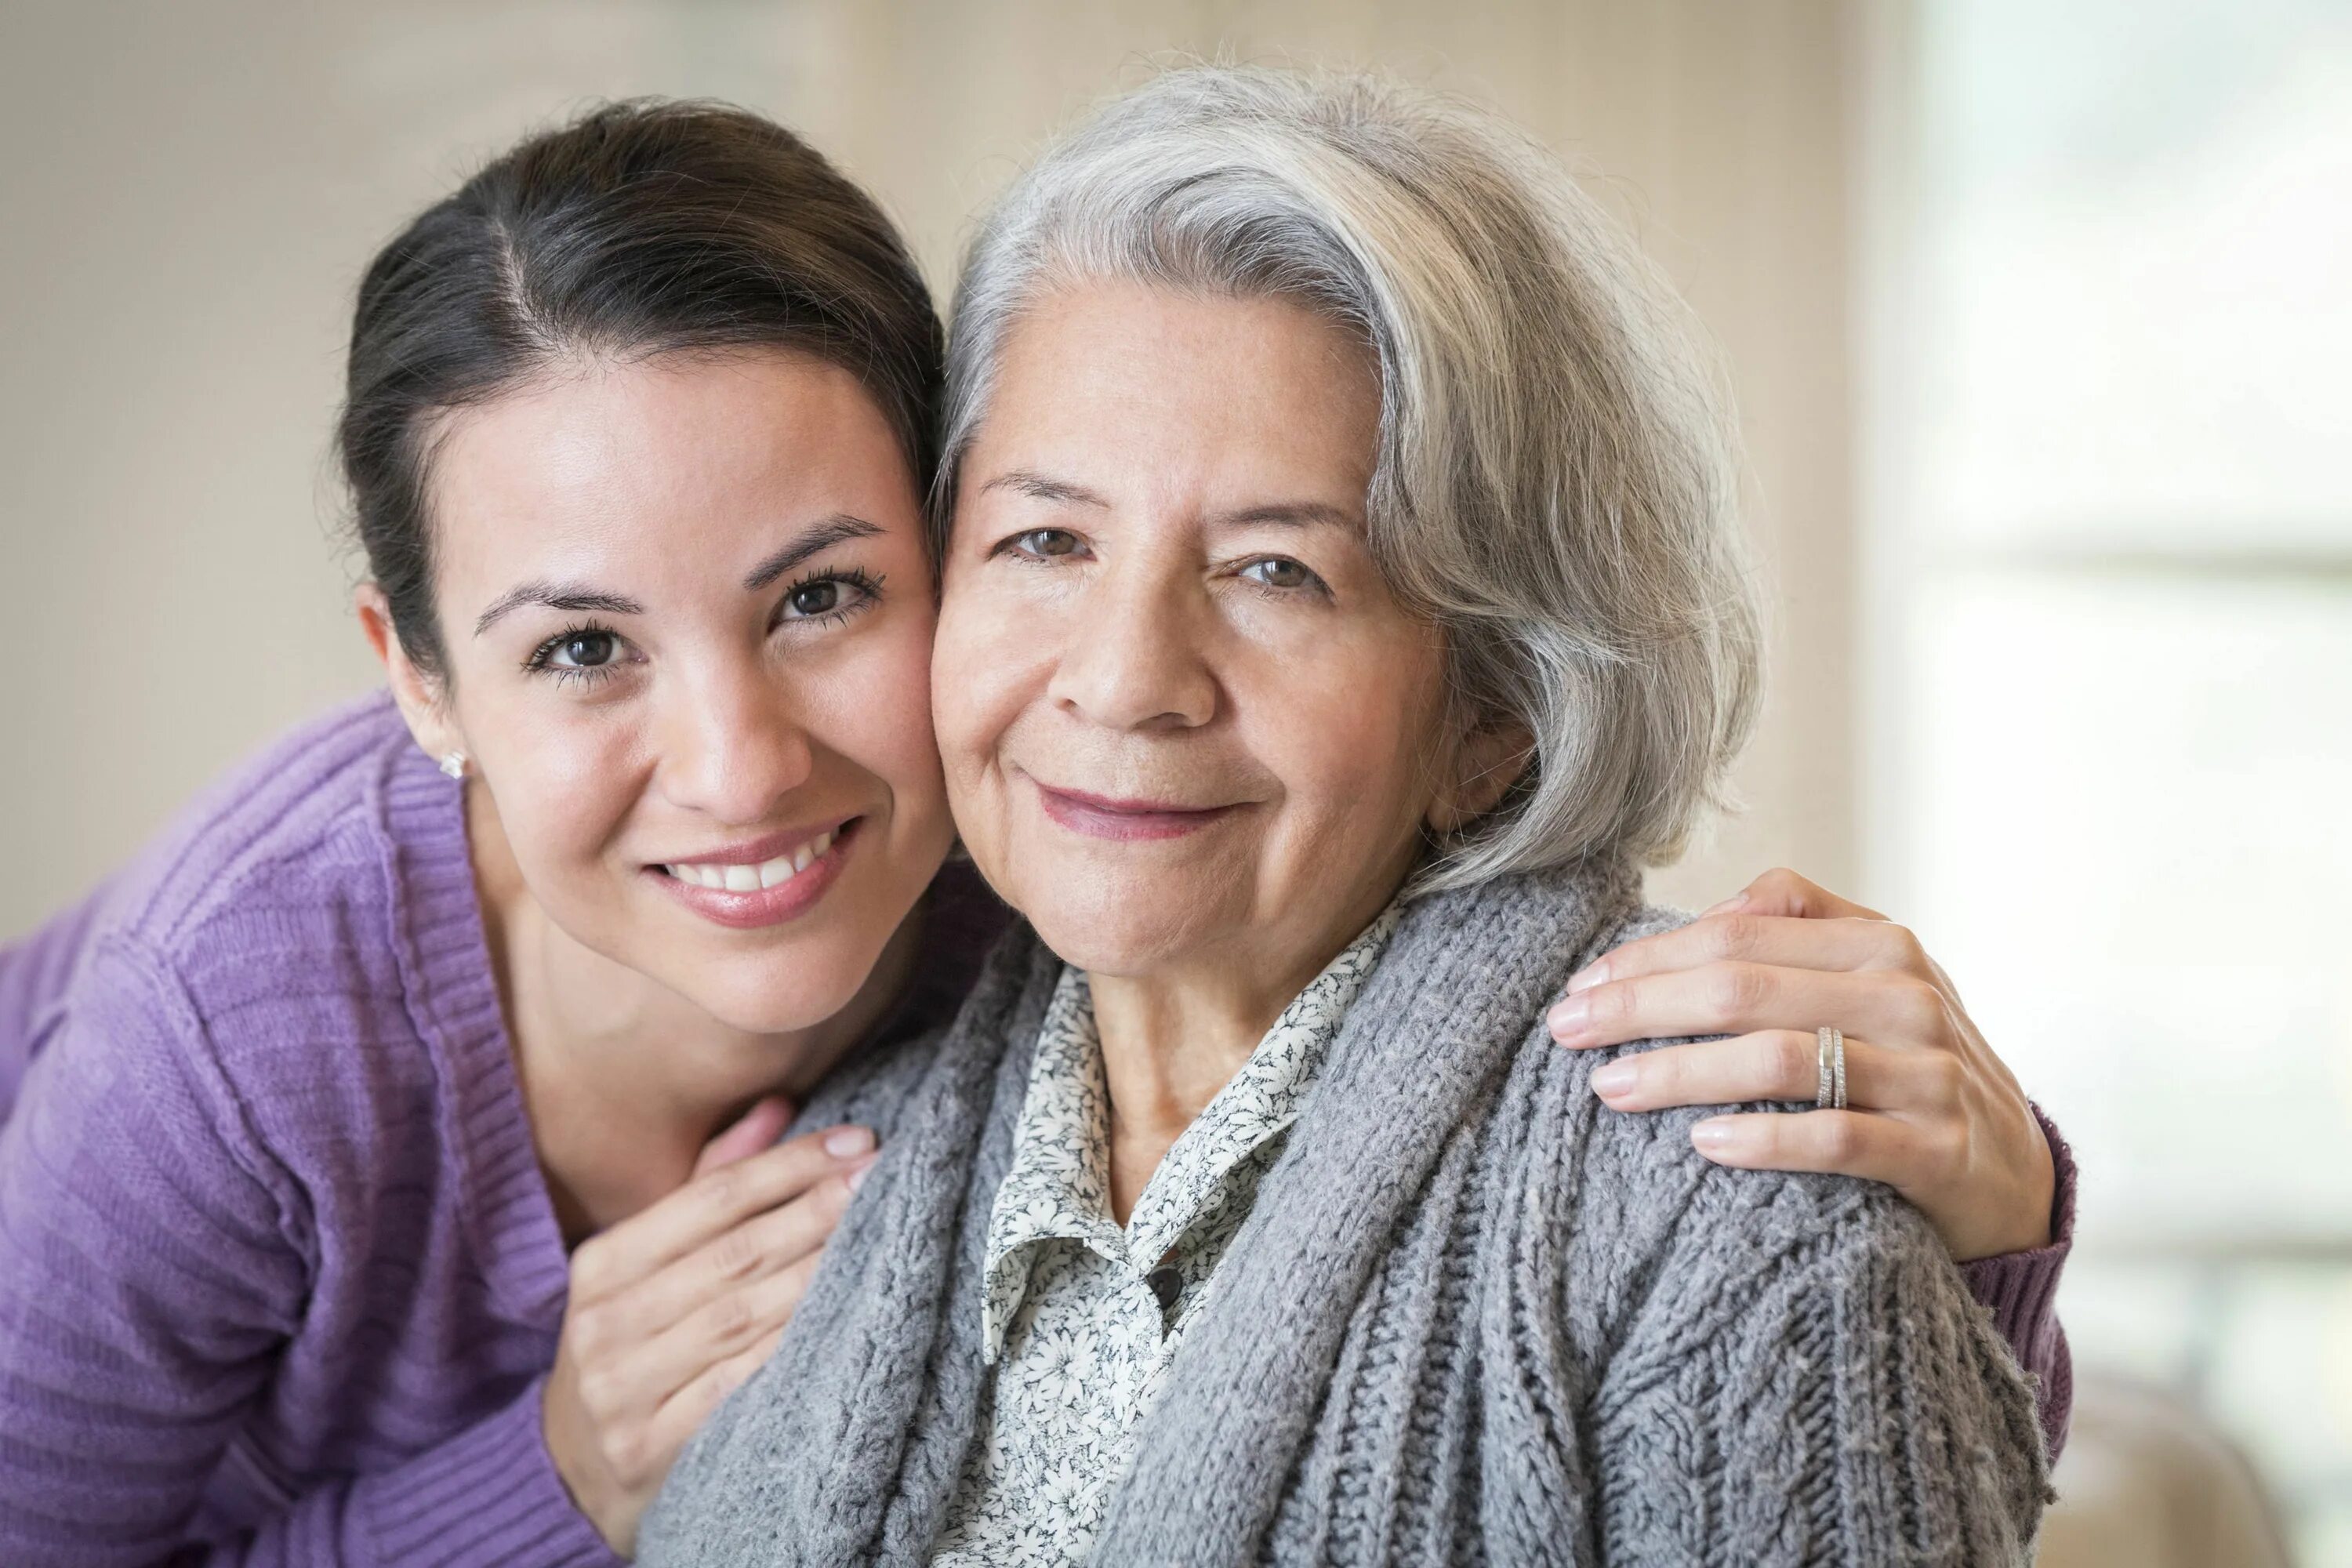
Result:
673,1307
1933,1111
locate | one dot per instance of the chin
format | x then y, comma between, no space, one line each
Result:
758,1010
1117,935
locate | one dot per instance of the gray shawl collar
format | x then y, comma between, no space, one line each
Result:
1472,1317
858,1459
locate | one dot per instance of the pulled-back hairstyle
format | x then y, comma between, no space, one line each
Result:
1555,475
641,228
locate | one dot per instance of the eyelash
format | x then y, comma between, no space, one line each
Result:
869,590
538,662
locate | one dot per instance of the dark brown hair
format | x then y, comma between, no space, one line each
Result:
640,228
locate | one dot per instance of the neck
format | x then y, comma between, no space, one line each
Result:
624,1080
1175,1035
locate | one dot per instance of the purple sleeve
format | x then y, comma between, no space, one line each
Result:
34,973
2022,1289
153,1261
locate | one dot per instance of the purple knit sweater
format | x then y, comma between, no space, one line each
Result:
279,1276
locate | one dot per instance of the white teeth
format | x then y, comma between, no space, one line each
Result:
751,878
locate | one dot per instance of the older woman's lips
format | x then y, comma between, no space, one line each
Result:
1099,816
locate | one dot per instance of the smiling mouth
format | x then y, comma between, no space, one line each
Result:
1103,816
748,877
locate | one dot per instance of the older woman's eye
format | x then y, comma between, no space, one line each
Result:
1280,572
1045,543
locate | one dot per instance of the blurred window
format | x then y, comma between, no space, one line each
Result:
2113,756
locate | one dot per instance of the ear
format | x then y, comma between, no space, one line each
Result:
1488,762
417,694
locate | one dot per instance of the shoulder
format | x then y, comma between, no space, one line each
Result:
306,817
267,948
1633,1206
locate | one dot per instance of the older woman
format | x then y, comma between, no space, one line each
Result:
1340,602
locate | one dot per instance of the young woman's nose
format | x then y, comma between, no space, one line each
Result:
732,749
1134,653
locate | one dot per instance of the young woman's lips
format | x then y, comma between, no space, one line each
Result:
749,909
1099,816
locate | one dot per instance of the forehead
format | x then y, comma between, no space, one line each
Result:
665,455
1126,379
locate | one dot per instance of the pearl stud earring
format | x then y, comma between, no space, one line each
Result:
454,765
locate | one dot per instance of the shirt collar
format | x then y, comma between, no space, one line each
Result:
1058,1185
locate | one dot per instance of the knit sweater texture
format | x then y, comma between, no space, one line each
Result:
1473,1316
279,1276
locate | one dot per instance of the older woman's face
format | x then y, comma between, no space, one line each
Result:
1182,716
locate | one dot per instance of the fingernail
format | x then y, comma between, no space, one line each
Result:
857,1178
1713,1134
1591,974
1736,900
1615,1077
844,1141
1570,1017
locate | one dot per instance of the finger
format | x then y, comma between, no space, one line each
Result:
718,1331
1781,891
755,1130
682,1415
1736,997
766,1244
713,1204
1771,1063
1783,941
1843,1142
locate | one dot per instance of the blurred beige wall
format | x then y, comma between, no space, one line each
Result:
188,192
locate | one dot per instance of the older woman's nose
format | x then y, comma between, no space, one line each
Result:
731,749
1134,659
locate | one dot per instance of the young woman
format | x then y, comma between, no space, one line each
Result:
391,1179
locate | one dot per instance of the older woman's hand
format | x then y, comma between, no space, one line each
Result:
1933,1111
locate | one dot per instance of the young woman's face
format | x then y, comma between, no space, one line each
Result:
689,617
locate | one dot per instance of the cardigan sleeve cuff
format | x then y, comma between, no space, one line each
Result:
489,1495
2021,1289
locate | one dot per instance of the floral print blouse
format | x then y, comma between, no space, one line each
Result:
1081,1316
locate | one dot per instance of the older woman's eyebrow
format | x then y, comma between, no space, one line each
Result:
556,596
1291,514
1043,487
811,542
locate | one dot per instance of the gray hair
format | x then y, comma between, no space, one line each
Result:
1556,480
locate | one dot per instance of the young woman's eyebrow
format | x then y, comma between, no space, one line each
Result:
556,596
813,541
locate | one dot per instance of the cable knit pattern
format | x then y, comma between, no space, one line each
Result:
1473,1317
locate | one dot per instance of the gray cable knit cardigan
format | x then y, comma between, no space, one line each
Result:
1475,1317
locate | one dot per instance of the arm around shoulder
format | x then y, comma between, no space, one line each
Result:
1811,1382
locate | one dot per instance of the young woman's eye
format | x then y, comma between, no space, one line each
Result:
1280,572
828,597
578,653
814,598
584,650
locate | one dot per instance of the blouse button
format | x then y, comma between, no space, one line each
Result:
1166,1284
